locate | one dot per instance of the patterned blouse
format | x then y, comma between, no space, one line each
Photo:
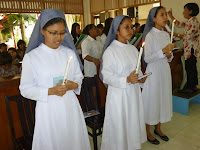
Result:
191,36
12,71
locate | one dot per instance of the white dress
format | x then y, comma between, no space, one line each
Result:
124,126
157,90
59,122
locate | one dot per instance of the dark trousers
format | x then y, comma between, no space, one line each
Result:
191,70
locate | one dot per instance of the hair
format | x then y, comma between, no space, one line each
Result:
87,29
108,22
194,7
73,31
54,21
100,26
160,7
142,28
136,25
20,42
5,58
13,49
3,45
126,17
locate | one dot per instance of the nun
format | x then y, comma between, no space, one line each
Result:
124,126
59,121
157,90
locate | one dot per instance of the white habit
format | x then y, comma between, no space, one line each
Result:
124,126
59,122
157,90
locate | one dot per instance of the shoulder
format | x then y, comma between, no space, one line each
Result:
67,51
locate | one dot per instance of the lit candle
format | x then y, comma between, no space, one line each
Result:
66,71
139,58
172,33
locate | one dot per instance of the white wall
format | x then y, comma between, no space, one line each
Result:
177,10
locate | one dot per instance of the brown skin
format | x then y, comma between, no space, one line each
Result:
54,42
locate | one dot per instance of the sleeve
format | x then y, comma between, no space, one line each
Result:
77,76
108,71
150,55
28,86
170,59
193,29
86,47
180,24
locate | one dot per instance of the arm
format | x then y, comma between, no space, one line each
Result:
28,86
86,51
149,55
108,72
177,23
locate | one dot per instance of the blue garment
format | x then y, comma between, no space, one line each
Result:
37,37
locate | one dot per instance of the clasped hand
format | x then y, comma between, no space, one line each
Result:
168,49
60,89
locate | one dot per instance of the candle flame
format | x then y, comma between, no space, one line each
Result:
143,44
174,20
70,58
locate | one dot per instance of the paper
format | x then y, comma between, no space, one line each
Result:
91,113
57,80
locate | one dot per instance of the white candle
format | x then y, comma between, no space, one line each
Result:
172,33
66,71
139,58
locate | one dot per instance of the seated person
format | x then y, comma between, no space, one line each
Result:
21,48
3,47
15,56
6,67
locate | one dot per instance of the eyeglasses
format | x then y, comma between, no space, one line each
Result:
57,34
129,28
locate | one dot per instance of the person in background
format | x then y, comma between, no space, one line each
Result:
3,47
100,29
142,28
75,32
91,51
6,67
108,23
137,27
21,48
191,43
15,56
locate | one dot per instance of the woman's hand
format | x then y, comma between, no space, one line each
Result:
96,61
132,78
70,85
168,48
170,13
58,90
168,55
143,79
61,90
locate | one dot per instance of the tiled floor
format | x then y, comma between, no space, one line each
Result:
183,132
